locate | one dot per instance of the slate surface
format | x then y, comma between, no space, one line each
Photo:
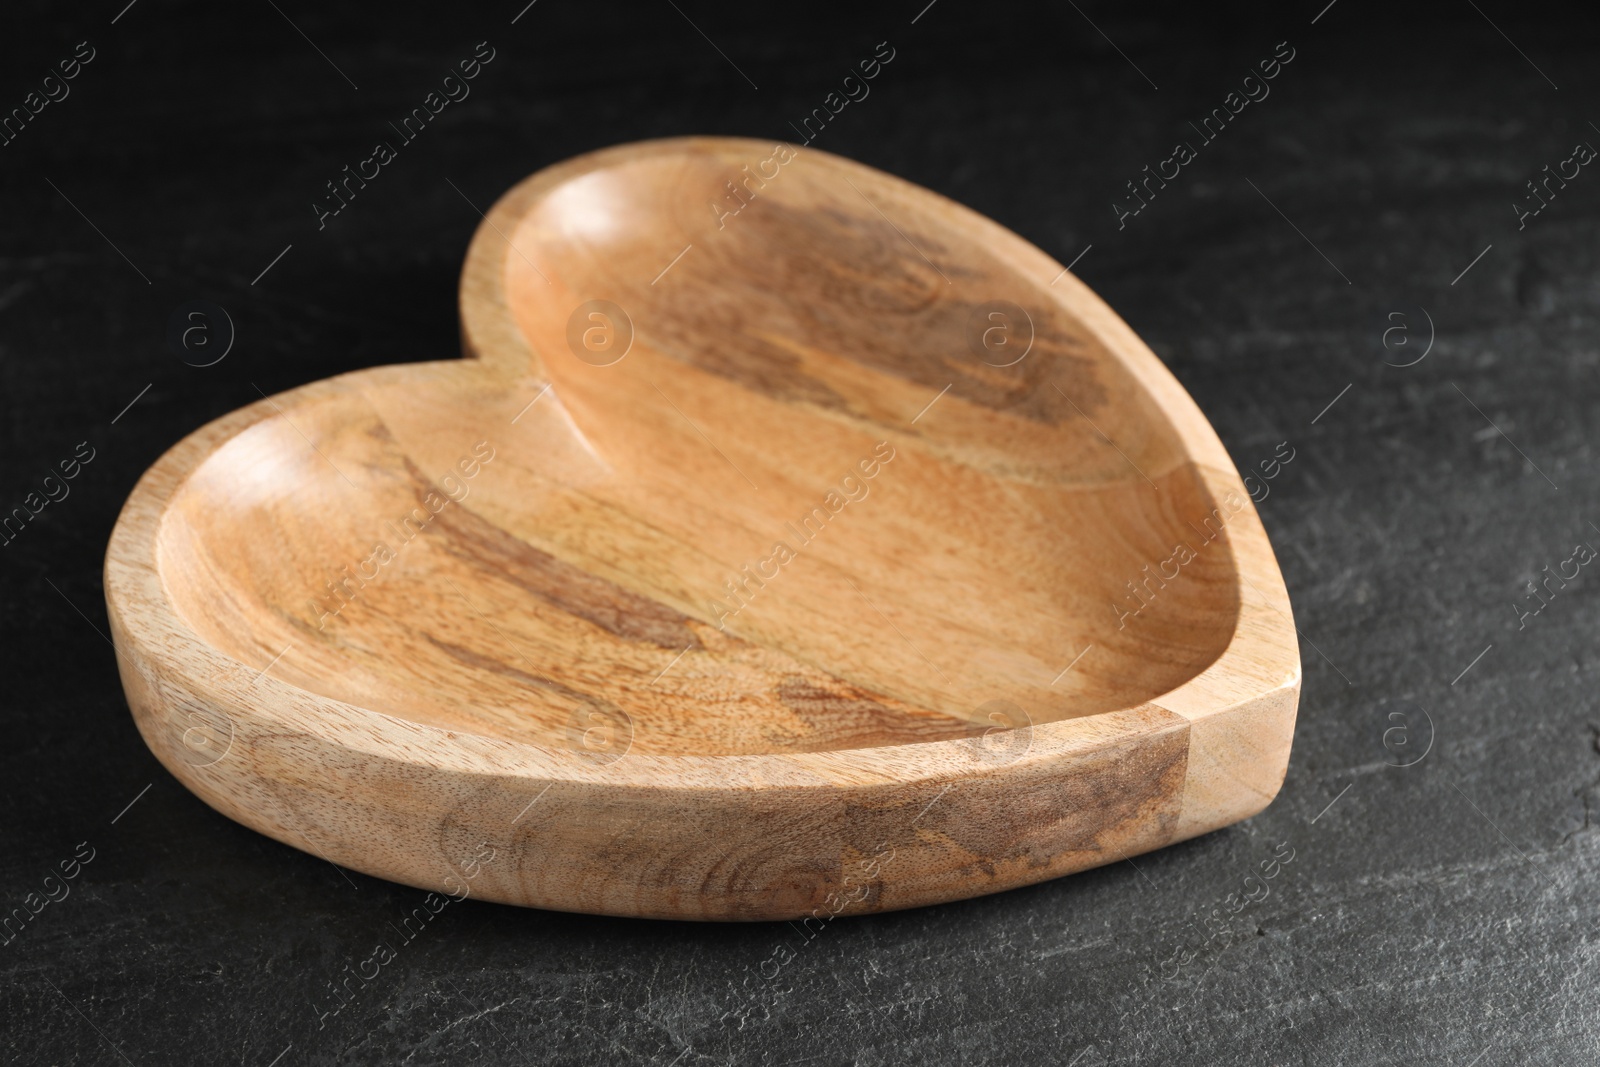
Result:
1438,913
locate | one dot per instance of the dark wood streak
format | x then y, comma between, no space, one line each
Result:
848,717
620,612
1122,785
850,284
568,697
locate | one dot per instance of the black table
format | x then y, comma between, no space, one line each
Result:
1342,265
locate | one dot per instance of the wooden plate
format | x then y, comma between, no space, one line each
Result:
793,542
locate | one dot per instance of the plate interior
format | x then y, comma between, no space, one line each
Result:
790,491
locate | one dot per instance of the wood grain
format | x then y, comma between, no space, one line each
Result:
781,588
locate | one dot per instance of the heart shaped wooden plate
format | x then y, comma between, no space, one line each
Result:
793,542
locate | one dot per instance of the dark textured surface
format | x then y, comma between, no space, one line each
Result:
1433,914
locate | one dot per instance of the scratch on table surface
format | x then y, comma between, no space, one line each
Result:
1074,947
463,1020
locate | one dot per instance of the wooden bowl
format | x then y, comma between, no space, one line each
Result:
792,542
